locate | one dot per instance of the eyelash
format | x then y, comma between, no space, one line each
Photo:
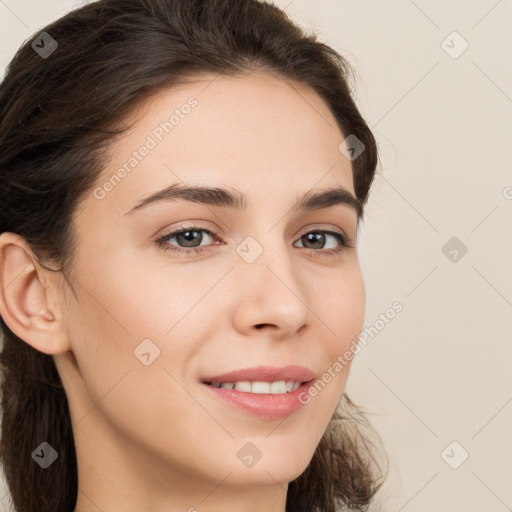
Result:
345,242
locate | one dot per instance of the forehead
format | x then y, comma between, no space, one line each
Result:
257,133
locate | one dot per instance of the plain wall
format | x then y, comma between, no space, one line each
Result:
439,371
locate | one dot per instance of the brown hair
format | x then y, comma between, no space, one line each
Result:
58,114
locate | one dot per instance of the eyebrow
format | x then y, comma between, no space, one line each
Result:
216,196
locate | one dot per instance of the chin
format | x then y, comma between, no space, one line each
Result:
279,468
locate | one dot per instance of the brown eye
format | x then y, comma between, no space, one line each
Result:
187,240
318,239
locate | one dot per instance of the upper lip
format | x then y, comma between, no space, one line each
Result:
265,374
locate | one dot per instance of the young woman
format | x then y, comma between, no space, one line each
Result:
181,183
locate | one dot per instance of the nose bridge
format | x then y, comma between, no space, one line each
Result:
266,256
271,289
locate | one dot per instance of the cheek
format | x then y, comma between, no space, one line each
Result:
343,307
129,315
344,311
108,326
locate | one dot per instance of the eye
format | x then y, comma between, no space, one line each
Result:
189,240
318,240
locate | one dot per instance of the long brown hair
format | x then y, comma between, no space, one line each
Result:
59,111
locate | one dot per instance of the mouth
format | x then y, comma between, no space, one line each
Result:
259,399
264,391
278,387
262,379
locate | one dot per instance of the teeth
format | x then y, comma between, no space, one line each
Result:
277,387
243,386
274,388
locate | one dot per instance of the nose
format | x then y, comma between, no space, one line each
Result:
271,297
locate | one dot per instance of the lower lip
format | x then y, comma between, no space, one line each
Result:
264,405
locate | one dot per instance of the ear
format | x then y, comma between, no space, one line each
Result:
28,300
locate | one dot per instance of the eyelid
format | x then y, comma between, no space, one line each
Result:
344,239
190,224
323,227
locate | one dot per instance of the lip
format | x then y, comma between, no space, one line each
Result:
265,374
266,406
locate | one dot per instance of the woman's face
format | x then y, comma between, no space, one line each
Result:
153,322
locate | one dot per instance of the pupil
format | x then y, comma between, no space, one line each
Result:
188,237
315,238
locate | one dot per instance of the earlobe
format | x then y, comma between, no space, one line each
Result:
25,301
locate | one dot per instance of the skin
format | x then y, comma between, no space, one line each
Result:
149,438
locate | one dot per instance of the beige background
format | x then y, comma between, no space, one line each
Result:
439,371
